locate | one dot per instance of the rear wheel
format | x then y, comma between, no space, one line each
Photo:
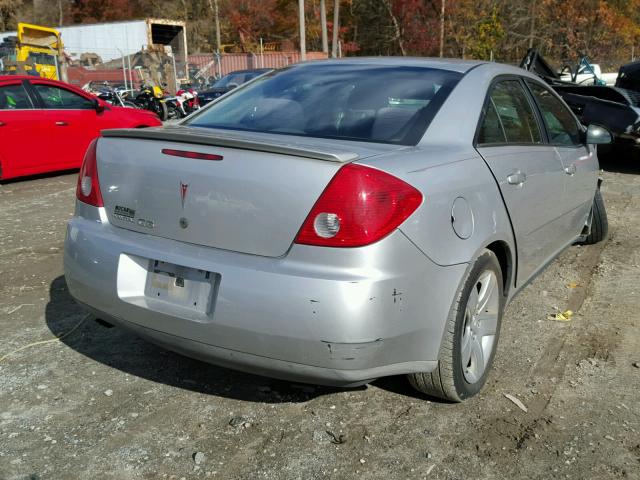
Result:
599,223
162,110
471,336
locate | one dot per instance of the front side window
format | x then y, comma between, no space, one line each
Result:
515,113
14,97
561,125
61,99
363,102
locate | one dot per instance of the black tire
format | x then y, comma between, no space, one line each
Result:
448,380
163,113
599,222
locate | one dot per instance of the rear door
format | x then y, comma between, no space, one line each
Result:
528,172
72,122
579,160
20,130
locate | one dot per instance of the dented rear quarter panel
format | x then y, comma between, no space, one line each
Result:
444,174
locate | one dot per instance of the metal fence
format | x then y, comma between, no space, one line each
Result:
209,65
135,69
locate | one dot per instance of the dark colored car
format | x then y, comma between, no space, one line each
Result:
228,83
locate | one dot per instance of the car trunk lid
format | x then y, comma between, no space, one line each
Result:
253,200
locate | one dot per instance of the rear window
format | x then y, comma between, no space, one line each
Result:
386,104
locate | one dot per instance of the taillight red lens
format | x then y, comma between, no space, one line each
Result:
360,206
88,189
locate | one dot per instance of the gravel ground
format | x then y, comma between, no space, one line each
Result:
101,403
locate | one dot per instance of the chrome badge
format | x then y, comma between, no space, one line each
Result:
124,213
183,192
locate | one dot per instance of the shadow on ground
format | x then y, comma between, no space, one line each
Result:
124,351
37,176
620,159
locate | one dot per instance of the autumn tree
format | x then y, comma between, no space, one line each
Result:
606,30
8,10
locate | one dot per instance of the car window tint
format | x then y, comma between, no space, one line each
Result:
367,102
62,99
561,125
515,112
14,97
491,129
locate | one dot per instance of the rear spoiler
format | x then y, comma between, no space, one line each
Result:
219,138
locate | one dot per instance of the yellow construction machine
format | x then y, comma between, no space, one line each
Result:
35,50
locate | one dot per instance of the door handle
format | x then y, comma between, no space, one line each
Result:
571,169
61,124
2,124
517,178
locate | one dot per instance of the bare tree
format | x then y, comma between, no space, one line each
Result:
213,6
303,46
442,29
336,27
396,27
323,26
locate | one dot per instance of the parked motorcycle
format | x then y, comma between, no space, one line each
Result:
115,97
184,103
152,99
190,100
175,108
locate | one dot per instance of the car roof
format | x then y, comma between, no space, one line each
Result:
453,64
250,70
68,86
8,78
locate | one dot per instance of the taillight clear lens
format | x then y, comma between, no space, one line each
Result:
326,225
360,206
88,189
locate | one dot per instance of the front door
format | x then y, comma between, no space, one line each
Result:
72,123
579,160
528,172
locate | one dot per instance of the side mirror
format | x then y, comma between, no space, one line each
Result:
98,106
231,86
597,135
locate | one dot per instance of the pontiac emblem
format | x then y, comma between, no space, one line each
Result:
183,192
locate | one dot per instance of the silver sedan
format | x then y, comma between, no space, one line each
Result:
338,221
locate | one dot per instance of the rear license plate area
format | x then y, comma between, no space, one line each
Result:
180,286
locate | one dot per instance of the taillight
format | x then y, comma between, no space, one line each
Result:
88,189
361,205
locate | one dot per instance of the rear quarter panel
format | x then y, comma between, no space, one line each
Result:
444,166
444,174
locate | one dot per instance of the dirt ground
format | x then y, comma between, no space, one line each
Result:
101,403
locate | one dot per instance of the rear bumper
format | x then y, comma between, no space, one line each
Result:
321,315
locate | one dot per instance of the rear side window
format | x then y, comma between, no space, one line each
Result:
511,111
55,98
363,102
491,128
561,125
14,97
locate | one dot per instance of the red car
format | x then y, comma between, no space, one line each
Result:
46,125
